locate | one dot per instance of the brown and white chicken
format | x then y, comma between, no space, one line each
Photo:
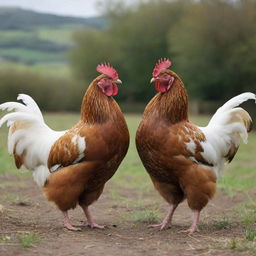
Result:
72,166
182,159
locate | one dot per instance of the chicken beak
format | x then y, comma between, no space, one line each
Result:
152,80
118,82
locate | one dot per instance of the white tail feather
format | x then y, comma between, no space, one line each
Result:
30,103
19,116
29,137
40,175
236,101
225,130
9,106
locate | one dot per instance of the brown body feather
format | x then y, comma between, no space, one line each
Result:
239,115
161,142
104,129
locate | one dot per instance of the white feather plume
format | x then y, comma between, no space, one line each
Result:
29,136
31,104
225,129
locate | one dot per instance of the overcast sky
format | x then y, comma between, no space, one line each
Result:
83,8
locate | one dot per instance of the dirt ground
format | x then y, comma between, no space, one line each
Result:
26,211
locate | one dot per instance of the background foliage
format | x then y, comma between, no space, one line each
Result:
212,44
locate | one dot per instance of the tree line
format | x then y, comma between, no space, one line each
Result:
211,43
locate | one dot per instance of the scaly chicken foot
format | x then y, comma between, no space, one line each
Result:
167,220
91,222
67,223
194,226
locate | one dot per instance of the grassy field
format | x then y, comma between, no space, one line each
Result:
238,185
44,45
59,35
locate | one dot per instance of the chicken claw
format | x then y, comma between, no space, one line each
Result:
95,225
91,222
194,226
67,223
70,227
191,230
163,225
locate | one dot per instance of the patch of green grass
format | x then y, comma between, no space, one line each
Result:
147,216
15,198
243,246
222,224
28,239
10,197
25,239
250,235
233,244
239,245
115,195
7,184
247,213
7,164
240,175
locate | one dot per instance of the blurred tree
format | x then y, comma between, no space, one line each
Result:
215,49
50,93
212,44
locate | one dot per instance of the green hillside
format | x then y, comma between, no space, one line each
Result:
16,18
31,38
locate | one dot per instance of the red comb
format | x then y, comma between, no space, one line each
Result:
106,69
161,65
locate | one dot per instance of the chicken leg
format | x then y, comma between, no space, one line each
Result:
90,220
67,223
195,222
167,220
194,226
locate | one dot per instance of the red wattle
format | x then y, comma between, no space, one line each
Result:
160,88
115,89
109,91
